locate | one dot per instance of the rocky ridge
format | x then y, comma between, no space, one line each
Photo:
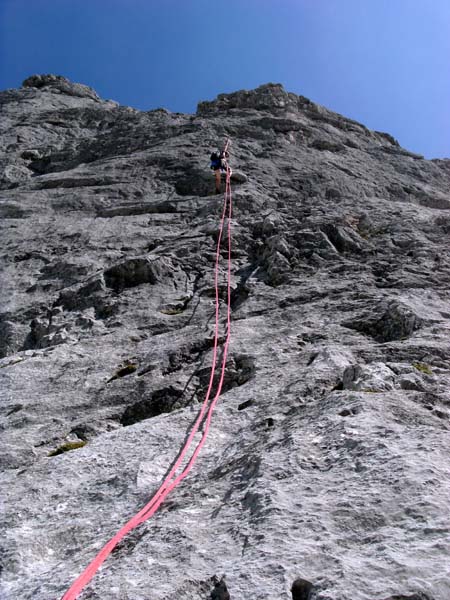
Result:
328,455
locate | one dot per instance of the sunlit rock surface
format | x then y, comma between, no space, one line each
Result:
328,459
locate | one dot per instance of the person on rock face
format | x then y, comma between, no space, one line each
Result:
219,166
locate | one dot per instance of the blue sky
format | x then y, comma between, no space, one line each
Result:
385,63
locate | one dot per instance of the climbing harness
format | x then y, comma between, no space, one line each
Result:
207,408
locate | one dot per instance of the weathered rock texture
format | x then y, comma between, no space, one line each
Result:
328,455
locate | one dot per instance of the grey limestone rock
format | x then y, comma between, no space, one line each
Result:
60,84
418,596
389,321
376,377
328,449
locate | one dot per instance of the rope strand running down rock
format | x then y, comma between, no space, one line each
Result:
207,407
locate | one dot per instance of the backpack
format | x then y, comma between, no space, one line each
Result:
216,160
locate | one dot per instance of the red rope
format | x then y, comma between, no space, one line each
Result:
167,486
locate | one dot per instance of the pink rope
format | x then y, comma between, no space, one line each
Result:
167,486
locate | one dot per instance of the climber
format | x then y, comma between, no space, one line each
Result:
219,166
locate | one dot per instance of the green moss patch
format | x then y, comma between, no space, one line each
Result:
67,447
127,369
171,311
423,368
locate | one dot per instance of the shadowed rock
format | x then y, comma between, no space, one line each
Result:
301,589
134,272
220,591
162,401
387,322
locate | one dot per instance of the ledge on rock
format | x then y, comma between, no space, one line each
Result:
60,85
387,321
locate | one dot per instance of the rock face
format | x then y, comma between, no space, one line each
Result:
327,462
